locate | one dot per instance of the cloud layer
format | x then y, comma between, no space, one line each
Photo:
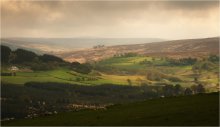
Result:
164,19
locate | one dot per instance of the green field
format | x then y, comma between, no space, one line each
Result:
121,69
199,110
67,76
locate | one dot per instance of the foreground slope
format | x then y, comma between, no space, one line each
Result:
202,109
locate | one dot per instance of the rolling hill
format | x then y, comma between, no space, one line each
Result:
174,49
80,49
60,45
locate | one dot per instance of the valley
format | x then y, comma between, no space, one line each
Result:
46,85
109,63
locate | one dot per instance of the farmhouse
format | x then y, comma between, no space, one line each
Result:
14,68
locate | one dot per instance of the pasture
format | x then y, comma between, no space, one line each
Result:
135,69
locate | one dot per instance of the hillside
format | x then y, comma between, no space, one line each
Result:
61,45
43,84
174,49
199,110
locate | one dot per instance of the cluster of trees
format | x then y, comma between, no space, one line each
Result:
5,54
81,68
146,62
213,58
191,61
28,58
126,55
57,95
171,90
39,62
86,79
98,46
207,64
202,65
182,61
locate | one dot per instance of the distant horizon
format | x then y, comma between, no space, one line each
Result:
74,44
165,39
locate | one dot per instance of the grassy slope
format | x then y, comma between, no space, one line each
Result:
186,110
58,75
121,63
183,72
61,76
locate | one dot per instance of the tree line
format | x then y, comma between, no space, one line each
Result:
38,62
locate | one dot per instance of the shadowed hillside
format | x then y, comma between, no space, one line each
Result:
196,110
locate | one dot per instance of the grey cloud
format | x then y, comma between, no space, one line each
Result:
192,5
97,18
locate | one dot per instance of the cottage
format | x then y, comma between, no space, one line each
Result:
14,68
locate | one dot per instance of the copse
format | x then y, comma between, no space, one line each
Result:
182,61
171,90
5,53
30,59
81,68
213,58
50,58
22,56
202,65
198,88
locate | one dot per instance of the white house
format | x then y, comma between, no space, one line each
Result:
14,68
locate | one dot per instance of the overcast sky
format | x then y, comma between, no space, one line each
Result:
110,19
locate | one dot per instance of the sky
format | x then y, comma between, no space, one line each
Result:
110,19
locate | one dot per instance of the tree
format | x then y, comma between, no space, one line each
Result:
195,79
78,79
178,89
194,89
129,82
169,90
153,59
5,54
200,88
188,91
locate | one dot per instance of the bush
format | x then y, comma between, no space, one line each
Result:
81,68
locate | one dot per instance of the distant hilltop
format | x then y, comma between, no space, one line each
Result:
58,45
95,49
174,49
